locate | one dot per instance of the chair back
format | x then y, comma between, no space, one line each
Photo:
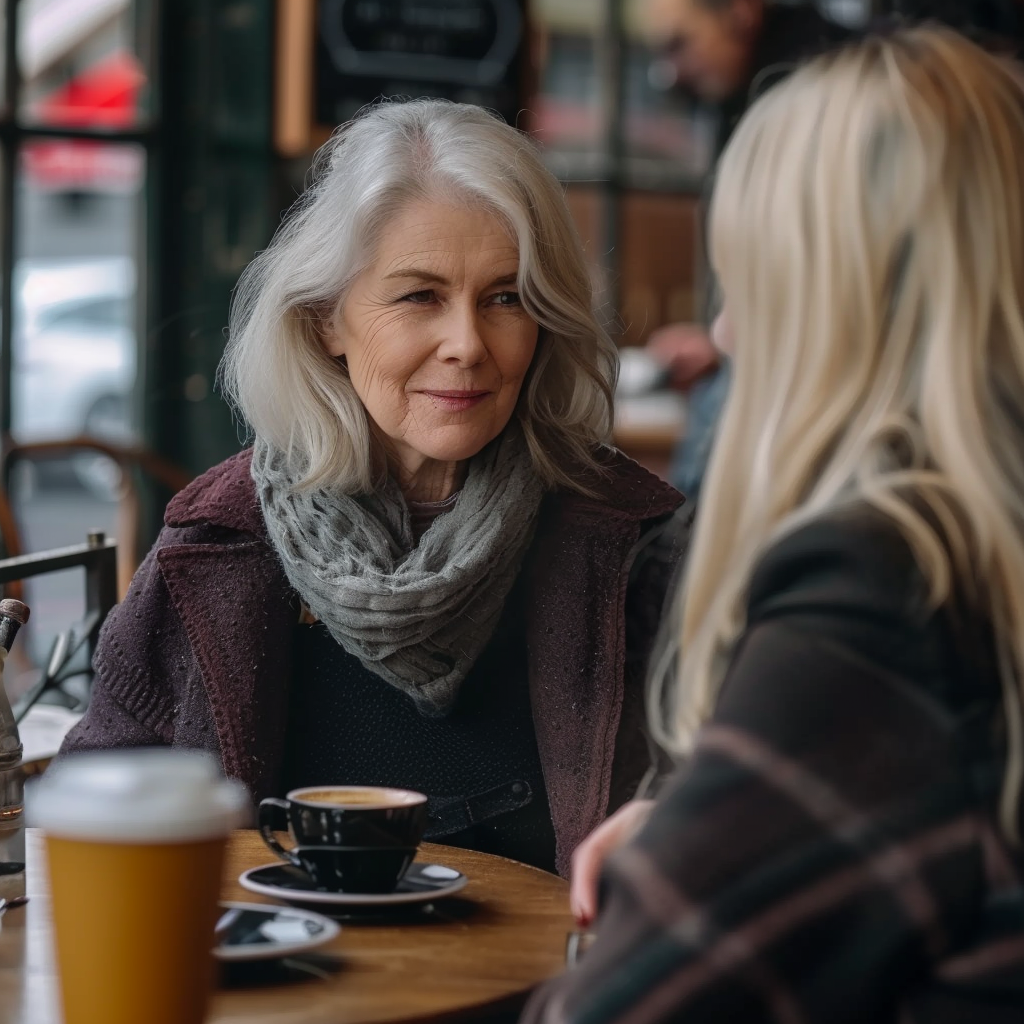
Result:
98,557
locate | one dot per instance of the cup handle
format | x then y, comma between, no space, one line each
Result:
273,818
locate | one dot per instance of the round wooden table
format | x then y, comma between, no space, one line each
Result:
473,956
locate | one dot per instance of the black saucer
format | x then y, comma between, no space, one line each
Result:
422,883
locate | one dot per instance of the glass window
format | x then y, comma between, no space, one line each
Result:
566,113
3,61
75,345
81,65
103,314
665,141
667,138
76,215
74,351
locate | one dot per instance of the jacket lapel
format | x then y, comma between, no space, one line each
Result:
579,575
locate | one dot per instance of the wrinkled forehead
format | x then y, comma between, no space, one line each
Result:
428,228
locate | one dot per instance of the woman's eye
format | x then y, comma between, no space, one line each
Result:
419,297
506,299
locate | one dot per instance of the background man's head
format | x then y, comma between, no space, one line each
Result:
710,43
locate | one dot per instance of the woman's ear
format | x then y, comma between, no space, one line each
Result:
334,342
333,337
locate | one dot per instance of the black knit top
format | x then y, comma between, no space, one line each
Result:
479,764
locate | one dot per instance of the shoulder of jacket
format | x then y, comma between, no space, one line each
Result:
223,496
622,488
856,562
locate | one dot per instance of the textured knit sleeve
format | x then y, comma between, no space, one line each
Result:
144,672
822,850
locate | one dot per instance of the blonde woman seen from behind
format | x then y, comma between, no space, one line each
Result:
844,842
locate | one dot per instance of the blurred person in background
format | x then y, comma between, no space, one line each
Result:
996,25
430,571
844,843
724,53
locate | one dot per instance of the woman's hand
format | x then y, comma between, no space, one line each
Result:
589,856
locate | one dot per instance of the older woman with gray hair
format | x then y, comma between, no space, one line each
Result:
430,570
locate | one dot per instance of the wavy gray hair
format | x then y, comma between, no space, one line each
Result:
276,371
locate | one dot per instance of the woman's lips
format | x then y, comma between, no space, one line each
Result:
456,401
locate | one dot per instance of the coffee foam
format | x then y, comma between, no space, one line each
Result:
135,796
356,796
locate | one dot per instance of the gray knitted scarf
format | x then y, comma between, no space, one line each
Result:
418,615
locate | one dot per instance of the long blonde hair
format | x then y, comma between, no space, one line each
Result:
868,231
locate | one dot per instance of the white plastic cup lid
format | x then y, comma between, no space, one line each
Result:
141,795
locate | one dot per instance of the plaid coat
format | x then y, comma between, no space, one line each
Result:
832,852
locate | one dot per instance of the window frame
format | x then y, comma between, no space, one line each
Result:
15,133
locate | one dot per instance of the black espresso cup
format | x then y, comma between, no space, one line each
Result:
357,839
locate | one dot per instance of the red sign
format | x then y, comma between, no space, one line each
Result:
103,96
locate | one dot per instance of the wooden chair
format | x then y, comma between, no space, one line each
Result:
98,557
109,565
130,458
70,657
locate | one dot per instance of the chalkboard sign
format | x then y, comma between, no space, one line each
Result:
465,50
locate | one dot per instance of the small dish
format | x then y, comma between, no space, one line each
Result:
422,883
255,931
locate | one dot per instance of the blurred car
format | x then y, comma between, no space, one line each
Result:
74,357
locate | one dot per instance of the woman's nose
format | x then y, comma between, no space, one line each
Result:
462,339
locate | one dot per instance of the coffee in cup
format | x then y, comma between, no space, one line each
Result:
353,796
135,848
356,839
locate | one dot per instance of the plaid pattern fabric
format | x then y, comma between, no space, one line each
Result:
831,854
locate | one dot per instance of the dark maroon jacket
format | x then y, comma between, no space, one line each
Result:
199,653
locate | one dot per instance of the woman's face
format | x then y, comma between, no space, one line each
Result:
435,336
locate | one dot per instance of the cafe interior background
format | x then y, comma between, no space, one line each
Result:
148,150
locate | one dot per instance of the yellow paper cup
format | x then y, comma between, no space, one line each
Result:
135,849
